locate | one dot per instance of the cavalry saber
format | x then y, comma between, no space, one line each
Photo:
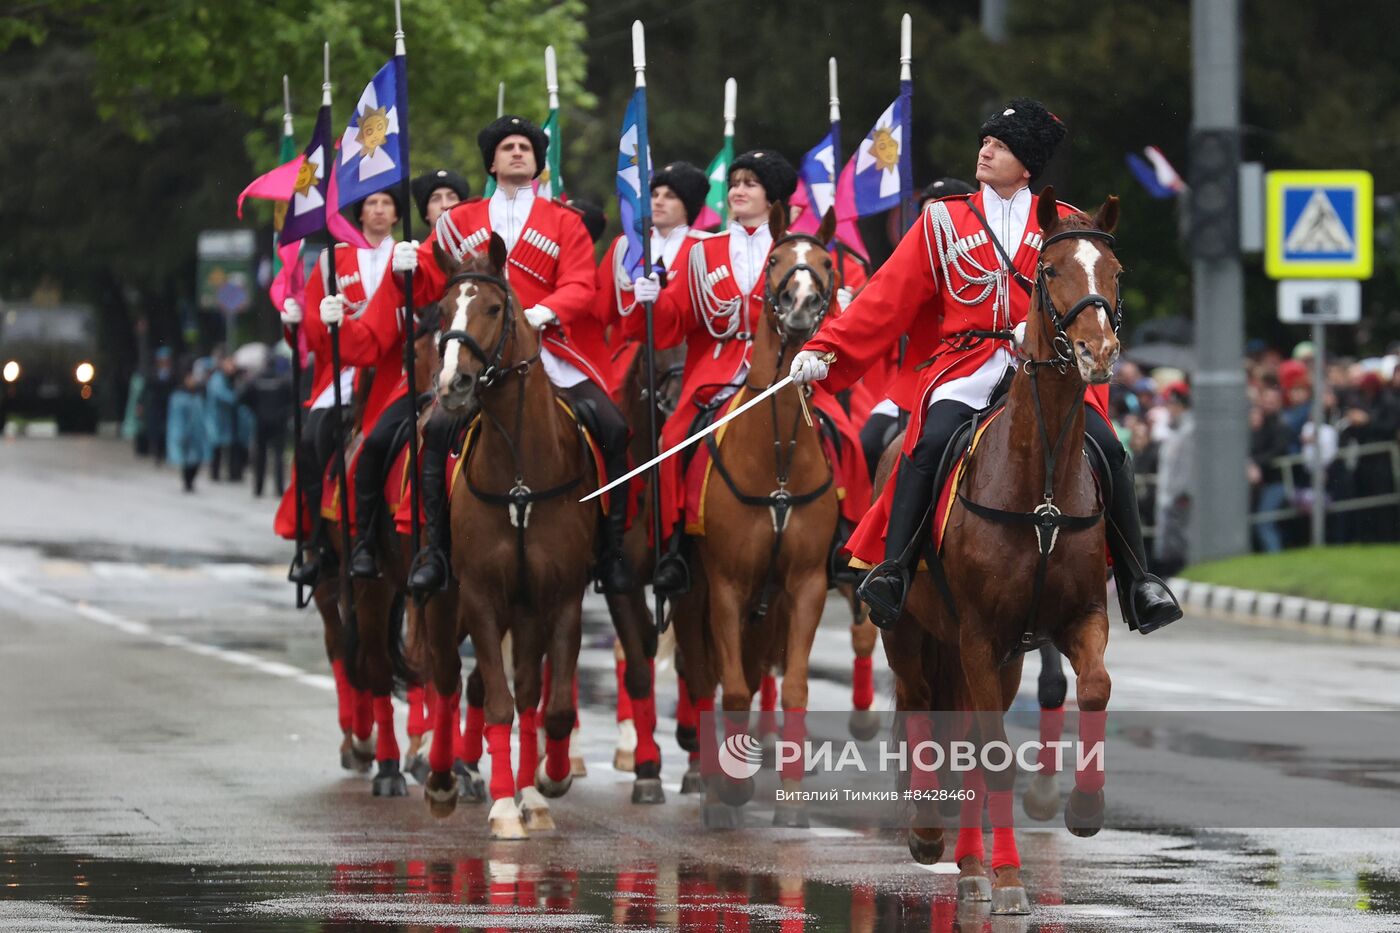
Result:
700,435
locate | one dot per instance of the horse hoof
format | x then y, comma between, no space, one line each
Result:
624,760
417,766
1042,800
791,817
688,738
576,767
864,724
505,820
1084,813
347,757
1010,900
389,781
692,783
924,850
362,754
551,788
625,755
648,790
735,793
440,790
471,787
974,889
535,810
721,816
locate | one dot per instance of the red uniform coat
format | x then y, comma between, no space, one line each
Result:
551,265
908,296
350,286
711,362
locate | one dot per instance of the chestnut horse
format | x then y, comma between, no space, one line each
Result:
522,546
760,568
1023,556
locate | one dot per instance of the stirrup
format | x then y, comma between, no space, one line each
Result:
885,607
430,559
676,565
304,572
614,575
1166,616
363,564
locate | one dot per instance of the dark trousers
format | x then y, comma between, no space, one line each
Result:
187,475
608,422
268,443
373,462
875,436
318,440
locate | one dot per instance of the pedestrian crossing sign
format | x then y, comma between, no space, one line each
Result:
1319,225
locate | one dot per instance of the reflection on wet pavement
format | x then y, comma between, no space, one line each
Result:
40,891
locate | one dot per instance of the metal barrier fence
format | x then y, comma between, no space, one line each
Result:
1350,455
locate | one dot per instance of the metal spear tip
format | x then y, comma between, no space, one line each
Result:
639,45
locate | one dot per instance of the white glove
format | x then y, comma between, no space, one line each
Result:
1018,336
647,289
844,297
406,256
291,313
332,310
540,317
808,366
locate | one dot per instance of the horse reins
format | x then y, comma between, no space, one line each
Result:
1046,518
520,498
780,502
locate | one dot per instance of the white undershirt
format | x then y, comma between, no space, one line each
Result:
664,249
748,254
508,214
1007,216
374,263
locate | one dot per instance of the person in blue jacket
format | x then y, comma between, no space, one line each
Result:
186,443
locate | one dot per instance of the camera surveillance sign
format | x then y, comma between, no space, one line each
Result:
1319,225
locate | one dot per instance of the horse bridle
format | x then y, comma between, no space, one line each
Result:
1064,351
492,370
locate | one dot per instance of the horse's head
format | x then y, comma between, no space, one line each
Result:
485,339
800,278
1077,308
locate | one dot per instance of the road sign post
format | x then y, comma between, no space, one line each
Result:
1319,245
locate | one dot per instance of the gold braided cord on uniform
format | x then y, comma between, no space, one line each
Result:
951,257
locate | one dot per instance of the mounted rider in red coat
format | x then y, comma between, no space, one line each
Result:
550,267
967,265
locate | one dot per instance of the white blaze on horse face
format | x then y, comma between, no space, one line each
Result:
804,280
452,348
1088,256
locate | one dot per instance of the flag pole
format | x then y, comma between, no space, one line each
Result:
731,99
500,100
834,116
554,158
332,286
551,77
906,93
410,354
295,330
639,65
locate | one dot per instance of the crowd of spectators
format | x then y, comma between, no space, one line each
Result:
1359,444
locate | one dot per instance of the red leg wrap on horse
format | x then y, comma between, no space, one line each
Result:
970,819
556,758
863,683
1052,726
644,719
685,710
387,747
794,731
498,742
1003,831
445,713
1089,778
529,749
917,731
417,714
624,700
364,714
344,696
471,733
768,705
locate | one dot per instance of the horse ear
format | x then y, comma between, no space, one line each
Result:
828,227
1047,210
497,253
1107,217
777,220
444,261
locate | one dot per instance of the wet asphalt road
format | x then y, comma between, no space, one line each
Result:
170,763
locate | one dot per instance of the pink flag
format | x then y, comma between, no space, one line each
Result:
340,228
708,219
276,185
846,230
290,282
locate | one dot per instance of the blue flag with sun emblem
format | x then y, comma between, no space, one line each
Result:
879,173
633,191
371,149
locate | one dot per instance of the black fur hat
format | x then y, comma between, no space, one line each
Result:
424,185
944,187
497,130
1029,130
775,174
688,182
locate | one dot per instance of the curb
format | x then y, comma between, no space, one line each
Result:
1213,599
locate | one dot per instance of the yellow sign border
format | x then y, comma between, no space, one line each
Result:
1277,266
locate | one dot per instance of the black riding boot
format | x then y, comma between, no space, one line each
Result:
614,574
1146,601
363,563
317,549
672,574
887,583
430,568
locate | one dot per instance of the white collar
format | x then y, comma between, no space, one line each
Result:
509,213
748,252
665,248
1007,216
373,263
